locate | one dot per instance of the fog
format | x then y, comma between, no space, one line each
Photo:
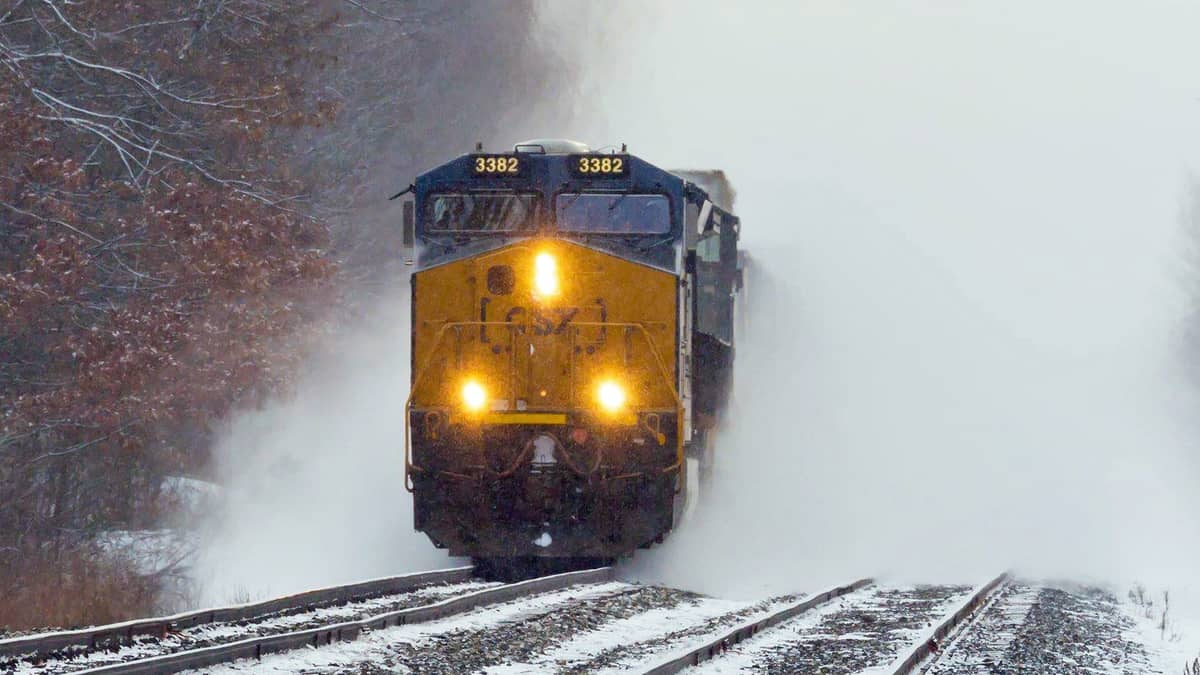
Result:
964,330
313,490
313,484
970,278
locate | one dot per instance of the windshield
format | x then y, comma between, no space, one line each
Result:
613,213
477,212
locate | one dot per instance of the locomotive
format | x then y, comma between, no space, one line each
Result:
572,348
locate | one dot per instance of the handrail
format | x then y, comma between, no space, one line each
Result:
662,369
409,467
420,374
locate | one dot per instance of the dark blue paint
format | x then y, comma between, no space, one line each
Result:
549,176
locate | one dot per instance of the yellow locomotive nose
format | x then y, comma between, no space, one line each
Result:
545,275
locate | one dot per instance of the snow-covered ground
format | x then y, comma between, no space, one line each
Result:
379,647
608,627
1177,643
1000,620
210,634
1048,628
1059,628
855,633
619,627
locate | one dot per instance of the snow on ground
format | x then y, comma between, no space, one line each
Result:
1000,620
1062,628
619,627
618,634
373,647
192,494
742,656
605,628
864,629
225,632
618,645
1174,645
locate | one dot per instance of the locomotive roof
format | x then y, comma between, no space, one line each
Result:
552,146
547,160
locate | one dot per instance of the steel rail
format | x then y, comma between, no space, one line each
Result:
254,648
43,645
933,643
749,629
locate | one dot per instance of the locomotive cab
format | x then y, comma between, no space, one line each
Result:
567,309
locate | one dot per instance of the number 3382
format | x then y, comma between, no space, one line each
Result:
601,165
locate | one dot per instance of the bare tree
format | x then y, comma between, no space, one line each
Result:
148,265
185,189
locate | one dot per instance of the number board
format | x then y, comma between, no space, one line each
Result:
599,166
496,165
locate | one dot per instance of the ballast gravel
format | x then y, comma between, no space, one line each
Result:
472,650
863,634
688,633
207,635
864,629
616,627
1065,630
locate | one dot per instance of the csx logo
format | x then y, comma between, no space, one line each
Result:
539,320
542,320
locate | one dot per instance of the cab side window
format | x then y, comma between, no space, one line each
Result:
708,249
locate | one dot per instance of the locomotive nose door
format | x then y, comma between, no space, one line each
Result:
547,355
527,340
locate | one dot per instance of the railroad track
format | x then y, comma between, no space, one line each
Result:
581,622
589,622
718,645
927,651
1034,628
1004,625
216,636
862,626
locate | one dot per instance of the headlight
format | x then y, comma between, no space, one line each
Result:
611,396
545,275
474,397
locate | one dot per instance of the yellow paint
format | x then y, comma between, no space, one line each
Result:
550,352
621,419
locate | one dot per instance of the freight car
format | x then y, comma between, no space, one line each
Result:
572,345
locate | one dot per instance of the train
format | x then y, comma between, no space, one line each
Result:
572,349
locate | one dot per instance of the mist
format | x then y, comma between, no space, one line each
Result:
312,484
965,313
964,323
